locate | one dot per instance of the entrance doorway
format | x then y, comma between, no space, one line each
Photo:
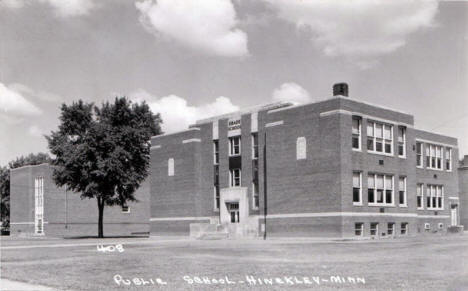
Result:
233,210
453,215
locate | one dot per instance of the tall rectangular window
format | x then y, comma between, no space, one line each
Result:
379,137
380,190
39,205
419,196
254,146
448,159
401,141
235,177
435,197
234,146
216,174
215,152
255,189
419,154
402,191
357,188
434,156
356,131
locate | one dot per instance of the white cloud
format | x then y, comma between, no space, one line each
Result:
291,92
36,131
177,114
12,102
62,8
31,94
360,30
208,25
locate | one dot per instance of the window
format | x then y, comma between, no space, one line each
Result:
170,167
39,205
379,138
435,197
374,228
404,228
356,130
301,148
235,177
357,188
216,174
401,141
448,159
216,197
255,195
254,146
125,208
215,152
434,154
402,191
234,146
419,196
427,226
419,154
391,228
380,189
359,228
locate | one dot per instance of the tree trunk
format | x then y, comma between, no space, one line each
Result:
101,215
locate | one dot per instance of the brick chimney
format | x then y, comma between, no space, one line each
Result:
340,89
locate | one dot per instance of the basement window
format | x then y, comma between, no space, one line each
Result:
125,208
404,228
374,228
359,229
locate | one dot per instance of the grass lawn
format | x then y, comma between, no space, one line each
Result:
436,263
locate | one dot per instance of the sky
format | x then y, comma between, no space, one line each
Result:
192,59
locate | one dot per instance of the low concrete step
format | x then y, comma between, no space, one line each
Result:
213,235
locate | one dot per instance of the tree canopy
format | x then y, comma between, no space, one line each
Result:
104,152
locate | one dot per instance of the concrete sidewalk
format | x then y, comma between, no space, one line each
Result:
9,285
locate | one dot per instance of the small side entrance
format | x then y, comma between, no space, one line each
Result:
233,209
453,215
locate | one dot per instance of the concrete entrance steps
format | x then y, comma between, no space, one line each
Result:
210,231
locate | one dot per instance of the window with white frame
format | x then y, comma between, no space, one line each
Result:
434,154
374,228
255,196
235,177
359,229
216,197
39,205
356,131
427,226
419,196
435,197
401,141
254,146
391,228
170,167
448,159
234,146
379,138
215,152
301,148
402,191
404,228
125,208
357,188
419,154
380,190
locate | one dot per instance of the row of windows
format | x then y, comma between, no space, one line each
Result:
380,190
435,158
374,228
434,196
379,137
